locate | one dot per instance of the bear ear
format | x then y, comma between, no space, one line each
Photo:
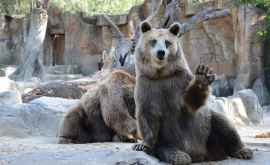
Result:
145,26
175,29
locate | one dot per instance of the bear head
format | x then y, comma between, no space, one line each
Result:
158,52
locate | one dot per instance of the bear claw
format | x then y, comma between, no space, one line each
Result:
140,147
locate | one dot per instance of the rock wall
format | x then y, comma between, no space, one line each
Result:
230,45
83,42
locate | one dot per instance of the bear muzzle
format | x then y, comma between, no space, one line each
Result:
161,54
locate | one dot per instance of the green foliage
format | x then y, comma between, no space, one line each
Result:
15,7
265,34
94,7
264,5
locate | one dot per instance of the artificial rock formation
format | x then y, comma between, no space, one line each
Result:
229,44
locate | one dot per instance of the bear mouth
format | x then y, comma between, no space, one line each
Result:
157,63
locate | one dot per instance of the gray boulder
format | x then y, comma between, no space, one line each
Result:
41,117
252,105
243,108
232,107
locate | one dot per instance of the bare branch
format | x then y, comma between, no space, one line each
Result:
172,12
124,45
205,15
167,12
114,27
157,18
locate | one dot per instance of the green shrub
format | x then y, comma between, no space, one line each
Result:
15,7
94,7
265,34
264,5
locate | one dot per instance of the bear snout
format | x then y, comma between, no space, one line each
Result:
160,54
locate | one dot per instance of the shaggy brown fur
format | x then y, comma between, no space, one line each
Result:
172,120
104,114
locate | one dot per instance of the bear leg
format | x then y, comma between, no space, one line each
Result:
173,156
225,141
71,127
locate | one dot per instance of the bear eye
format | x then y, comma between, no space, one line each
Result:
153,42
167,43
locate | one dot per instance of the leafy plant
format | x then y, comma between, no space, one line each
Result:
94,7
15,7
264,5
265,34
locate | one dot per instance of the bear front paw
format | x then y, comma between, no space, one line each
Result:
204,75
244,153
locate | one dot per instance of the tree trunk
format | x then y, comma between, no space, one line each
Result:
31,65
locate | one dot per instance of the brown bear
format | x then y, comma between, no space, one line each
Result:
175,125
104,114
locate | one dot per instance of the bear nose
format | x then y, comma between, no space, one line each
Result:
161,54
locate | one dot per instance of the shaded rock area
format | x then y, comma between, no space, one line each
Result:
222,86
261,91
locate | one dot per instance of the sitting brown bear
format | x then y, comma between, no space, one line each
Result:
104,113
169,99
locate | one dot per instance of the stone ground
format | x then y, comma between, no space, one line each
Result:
44,151
40,151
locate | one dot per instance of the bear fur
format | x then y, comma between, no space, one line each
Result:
175,125
105,113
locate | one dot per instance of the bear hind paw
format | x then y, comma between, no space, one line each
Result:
244,153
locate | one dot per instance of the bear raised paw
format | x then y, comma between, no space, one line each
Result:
204,75
172,120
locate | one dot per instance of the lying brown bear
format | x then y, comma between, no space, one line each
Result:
104,114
